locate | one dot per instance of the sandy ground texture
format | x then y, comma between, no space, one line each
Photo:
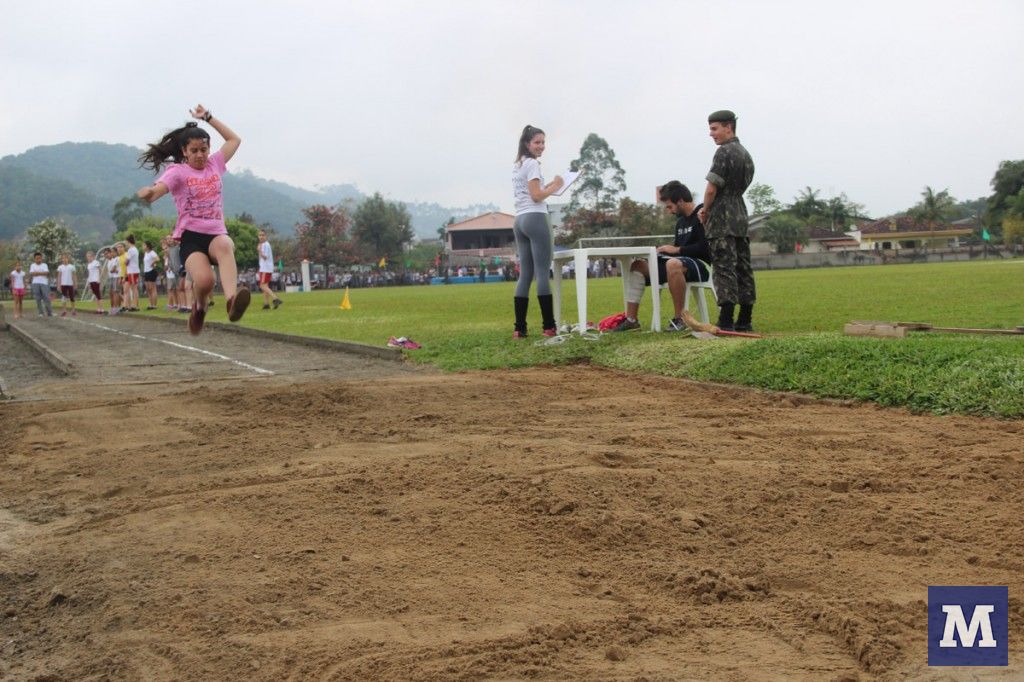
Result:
554,524
130,355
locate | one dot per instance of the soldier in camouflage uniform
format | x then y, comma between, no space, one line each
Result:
725,221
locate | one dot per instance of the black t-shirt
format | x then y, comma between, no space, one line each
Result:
690,237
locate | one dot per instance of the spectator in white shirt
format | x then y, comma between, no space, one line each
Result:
17,287
67,283
93,264
40,273
150,273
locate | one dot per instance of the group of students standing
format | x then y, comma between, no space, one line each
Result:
715,232
122,268
67,282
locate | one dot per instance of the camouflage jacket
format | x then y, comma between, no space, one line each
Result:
732,171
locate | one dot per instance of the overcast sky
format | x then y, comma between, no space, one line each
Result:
425,101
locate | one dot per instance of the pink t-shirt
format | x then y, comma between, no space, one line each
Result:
198,195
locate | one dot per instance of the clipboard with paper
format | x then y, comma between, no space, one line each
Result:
568,177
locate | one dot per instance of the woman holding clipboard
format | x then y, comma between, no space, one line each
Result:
532,231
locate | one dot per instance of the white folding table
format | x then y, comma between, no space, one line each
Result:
582,257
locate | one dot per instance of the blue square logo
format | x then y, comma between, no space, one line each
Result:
968,626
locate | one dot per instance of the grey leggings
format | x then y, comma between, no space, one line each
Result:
41,292
533,242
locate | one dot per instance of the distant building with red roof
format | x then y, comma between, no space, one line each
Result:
489,234
906,232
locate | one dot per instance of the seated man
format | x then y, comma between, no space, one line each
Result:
683,261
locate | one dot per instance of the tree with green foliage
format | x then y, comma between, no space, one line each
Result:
934,207
324,236
149,228
381,228
602,179
807,206
637,218
840,211
762,199
835,213
585,222
1013,220
10,251
128,209
52,237
970,208
245,235
785,231
1006,185
421,256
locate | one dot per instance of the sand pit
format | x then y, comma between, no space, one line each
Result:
554,524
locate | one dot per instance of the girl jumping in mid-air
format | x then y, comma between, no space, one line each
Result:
532,231
194,180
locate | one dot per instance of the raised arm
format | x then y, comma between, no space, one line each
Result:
231,139
152,193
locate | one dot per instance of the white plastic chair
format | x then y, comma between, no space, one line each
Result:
697,289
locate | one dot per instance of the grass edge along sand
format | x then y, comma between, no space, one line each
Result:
467,327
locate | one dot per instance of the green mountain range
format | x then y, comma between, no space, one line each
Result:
81,182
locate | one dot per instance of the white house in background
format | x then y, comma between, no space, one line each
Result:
905,232
820,240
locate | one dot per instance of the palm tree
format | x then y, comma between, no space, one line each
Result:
807,205
935,207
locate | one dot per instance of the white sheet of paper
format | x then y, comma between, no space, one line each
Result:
568,177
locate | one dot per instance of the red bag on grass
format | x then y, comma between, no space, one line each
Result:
611,322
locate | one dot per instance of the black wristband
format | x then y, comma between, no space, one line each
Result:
208,116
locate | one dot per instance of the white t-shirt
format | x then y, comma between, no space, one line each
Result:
266,257
149,260
17,279
522,173
40,273
113,268
66,274
94,271
133,260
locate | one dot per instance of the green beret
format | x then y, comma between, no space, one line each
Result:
723,116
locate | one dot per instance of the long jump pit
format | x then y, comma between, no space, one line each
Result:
553,523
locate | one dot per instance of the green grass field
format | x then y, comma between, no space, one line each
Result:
468,326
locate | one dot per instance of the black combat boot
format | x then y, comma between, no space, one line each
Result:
725,312
743,320
547,314
521,304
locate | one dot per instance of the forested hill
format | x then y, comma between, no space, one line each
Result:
81,182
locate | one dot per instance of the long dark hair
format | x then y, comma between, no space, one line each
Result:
170,146
529,132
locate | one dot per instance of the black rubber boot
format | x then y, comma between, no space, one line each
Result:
725,322
744,319
521,305
547,308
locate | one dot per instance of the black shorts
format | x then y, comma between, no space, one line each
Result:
696,270
149,276
194,242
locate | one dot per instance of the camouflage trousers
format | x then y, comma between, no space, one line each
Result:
733,277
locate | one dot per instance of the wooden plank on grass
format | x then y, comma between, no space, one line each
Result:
876,329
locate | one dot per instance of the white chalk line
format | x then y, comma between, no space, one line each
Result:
246,365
